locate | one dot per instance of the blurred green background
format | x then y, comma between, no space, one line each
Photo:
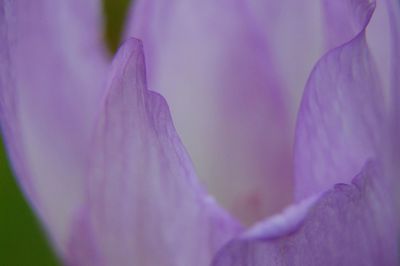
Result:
22,242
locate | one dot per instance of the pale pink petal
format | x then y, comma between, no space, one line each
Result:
51,64
215,68
295,32
144,204
340,127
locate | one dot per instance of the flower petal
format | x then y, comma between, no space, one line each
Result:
144,204
344,19
218,75
294,31
341,118
393,12
379,42
51,56
351,224
348,225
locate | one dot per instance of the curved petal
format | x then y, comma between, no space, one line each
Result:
344,19
52,58
144,204
348,225
351,224
341,26
341,119
226,97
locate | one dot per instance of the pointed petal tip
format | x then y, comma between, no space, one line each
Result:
132,44
144,203
128,48
129,55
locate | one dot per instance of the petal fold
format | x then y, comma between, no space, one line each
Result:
144,206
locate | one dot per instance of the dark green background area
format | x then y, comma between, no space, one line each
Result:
22,241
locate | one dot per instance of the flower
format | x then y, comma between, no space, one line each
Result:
96,152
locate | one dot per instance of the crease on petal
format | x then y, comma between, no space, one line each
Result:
52,60
144,205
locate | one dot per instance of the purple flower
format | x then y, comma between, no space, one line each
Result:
289,111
